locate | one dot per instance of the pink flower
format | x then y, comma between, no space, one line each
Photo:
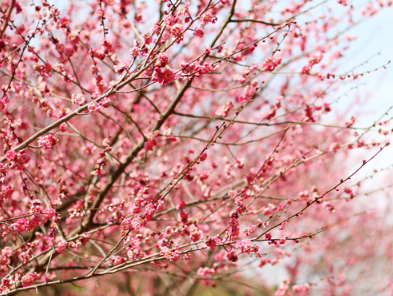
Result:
195,233
204,175
116,260
231,255
94,107
203,157
263,261
106,142
29,279
105,102
177,30
149,144
348,190
205,271
198,32
3,105
211,243
135,51
245,246
208,18
61,246
169,20
126,224
11,155
78,99
69,50
180,205
172,255
300,288
64,21
47,142
270,64
224,110
157,75
306,69
162,60
8,190
23,158
183,216
136,223
74,36
163,77
167,76
50,213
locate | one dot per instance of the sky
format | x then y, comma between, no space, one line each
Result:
375,36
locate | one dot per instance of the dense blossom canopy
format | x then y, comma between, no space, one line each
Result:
188,145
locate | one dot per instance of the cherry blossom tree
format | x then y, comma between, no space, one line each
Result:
171,147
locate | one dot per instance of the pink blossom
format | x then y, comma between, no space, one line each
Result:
270,64
301,288
135,51
203,157
208,18
50,213
195,233
204,272
211,243
116,260
126,224
23,158
180,205
61,246
29,279
94,107
7,190
47,142
342,2
3,105
172,255
224,139
11,155
224,110
163,77
162,60
232,256
177,30
198,32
